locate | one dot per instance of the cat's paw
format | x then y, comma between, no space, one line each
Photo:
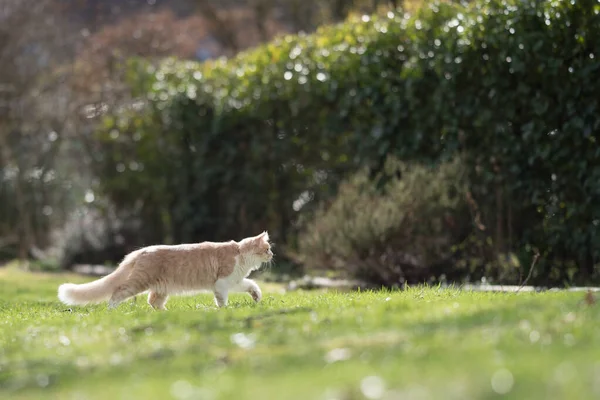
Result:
256,294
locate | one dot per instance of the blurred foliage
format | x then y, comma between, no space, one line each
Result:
229,147
34,107
94,235
60,72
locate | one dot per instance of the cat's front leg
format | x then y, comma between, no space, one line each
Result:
248,285
221,291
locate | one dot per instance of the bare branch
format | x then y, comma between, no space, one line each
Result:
535,260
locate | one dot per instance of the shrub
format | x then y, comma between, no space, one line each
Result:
405,231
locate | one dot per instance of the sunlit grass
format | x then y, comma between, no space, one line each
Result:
423,343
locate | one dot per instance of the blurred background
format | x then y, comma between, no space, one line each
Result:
386,141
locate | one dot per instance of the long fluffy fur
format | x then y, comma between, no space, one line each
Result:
97,291
165,270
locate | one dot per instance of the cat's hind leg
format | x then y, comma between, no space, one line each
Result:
157,300
249,286
125,291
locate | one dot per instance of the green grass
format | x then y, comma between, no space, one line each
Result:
423,343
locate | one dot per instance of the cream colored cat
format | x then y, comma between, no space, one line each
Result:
166,270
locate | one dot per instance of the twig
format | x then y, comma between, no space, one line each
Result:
474,211
535,260
589,298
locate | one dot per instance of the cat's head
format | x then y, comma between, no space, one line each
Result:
258,246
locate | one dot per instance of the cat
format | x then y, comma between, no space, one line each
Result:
165,270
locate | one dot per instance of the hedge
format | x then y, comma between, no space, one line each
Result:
233,146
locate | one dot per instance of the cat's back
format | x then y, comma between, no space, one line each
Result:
189,266
203,249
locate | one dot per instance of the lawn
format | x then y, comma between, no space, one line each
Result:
422,343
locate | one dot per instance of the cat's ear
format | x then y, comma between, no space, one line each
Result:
264,236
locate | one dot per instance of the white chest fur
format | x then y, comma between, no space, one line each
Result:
243,266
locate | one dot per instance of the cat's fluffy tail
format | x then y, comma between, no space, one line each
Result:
98,290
